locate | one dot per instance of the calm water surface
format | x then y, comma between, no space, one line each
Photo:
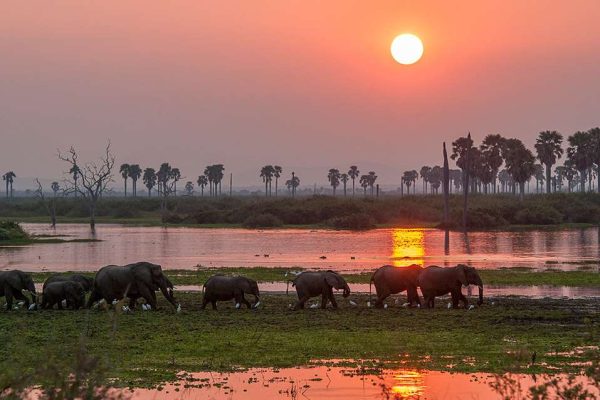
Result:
336,383
184,248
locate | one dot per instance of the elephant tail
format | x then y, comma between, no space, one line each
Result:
287,286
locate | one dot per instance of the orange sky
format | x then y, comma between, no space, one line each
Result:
309,85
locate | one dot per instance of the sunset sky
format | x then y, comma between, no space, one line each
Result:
308,85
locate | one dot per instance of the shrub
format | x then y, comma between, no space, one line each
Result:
359,221
12,231
537,215
262,221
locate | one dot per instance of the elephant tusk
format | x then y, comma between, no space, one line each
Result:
449,306
471,307
405,304
385,306
237,305
256,304
32,307
352,303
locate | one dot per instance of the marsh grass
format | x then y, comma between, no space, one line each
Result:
146,348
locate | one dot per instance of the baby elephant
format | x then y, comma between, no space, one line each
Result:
220,288
85,281
56,292
311,284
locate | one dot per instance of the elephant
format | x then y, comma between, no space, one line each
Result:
437,281
12,284
313,283
220,287
141,279
56,292
85,281
390,280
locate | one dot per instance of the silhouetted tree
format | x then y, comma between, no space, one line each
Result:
55,187
538,174
94,178
463,152
176,176
189,188
135,172
202,181
519,163
277,170
372,179
424,172
364,183
9,179
548,148
344,179
409,178
579,154
266,173
124,170
149,179
491,153
333,176
353,173
435,178
292,184
74,171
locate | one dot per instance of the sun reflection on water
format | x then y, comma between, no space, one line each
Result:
408,384
408,247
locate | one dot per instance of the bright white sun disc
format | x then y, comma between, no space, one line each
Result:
407,49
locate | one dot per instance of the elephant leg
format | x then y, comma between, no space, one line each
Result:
214,304
149,295
20,296
300,302
246,302
94,297
332,299
324,299
381,296
462,298
59,304
204,302
8,294
132,302
413,296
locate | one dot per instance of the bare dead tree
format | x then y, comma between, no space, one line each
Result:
50,206
93,178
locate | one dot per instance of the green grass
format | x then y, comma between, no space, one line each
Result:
146,348
503,277
486,212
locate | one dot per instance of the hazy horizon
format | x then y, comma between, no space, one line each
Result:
305,85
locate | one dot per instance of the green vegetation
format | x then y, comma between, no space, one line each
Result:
485,212
12,234
505,277
146,348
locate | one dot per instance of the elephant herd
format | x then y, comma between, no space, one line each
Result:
143,279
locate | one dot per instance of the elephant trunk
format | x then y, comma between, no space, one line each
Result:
168,293
480,302
346,290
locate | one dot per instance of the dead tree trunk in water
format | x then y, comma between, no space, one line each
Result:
467,171
446,185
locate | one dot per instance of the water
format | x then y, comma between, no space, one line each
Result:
184,248
336,383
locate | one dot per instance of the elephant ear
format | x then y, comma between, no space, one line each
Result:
462,274
334,280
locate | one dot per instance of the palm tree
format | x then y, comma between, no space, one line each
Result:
491,152
334,178
75,172
519,163
595,150
124,170
504,178
149,179
189,188
463,152
209,173
408,178
202,181
9,179
176,176
353,173
548,148
293,183
55,187
219,174
277,170
435,177
344,178
364,183
162,176
424,172
266,173
579,154
538,174
135,172
372,179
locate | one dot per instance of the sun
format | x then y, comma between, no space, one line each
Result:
407,49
